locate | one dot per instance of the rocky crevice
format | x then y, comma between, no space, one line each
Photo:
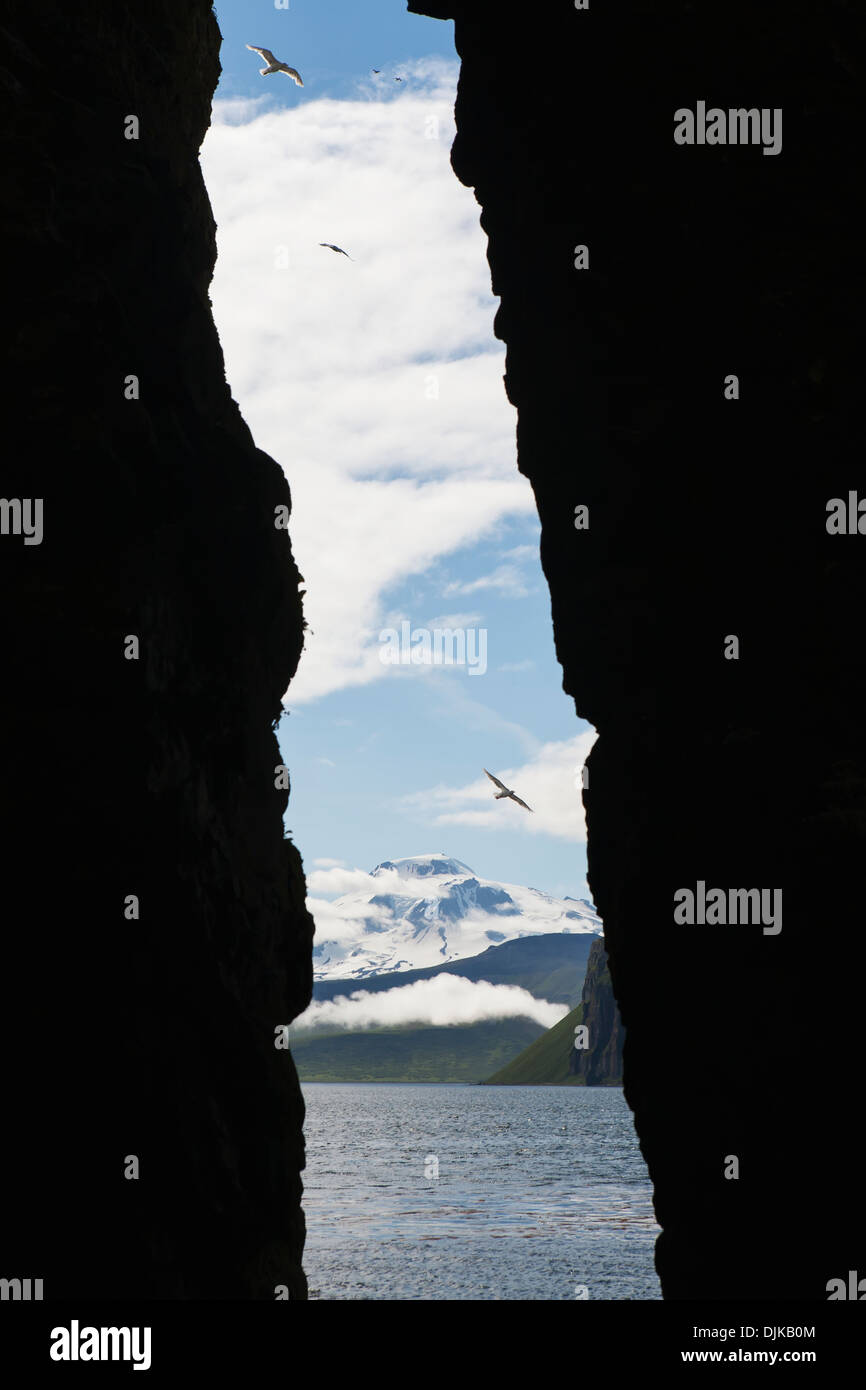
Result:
154,1036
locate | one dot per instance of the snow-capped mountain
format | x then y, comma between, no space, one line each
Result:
430,909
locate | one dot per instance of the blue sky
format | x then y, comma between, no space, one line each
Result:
376,384
330,42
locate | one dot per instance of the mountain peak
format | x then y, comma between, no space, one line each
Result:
424,866
433,909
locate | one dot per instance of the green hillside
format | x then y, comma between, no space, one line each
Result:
550,966
458,1053
552,1060
545,1061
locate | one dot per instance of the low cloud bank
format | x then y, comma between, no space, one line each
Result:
441,1001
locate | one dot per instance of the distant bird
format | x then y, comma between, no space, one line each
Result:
274,64
331,247
398,79
504,791
376,71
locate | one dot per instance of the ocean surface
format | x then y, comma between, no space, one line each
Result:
541,1191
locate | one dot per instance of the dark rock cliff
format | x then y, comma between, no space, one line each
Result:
600,1063
152,777
707,519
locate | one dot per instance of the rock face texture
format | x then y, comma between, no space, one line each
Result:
600,1064
146,1031
707,509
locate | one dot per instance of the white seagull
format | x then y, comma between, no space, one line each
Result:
504,791
274,64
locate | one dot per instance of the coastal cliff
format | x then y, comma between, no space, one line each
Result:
155,933
600,1063
682,326
555,1060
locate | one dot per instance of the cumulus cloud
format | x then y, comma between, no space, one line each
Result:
333,878
343,925
240,110
549,782
375,383
441,1001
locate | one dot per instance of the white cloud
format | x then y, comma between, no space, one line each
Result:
549,783
336,923
443,1000
334,878
454,620
239,110
505,579
375,383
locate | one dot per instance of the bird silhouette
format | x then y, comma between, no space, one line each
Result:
274,64
331,247
505,791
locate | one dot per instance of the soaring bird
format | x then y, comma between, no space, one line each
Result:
331,247
504,791
274,64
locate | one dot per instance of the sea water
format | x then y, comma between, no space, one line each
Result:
475,1192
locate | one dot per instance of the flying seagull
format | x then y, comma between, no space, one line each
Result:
274,64
504,791
376,70
331,247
